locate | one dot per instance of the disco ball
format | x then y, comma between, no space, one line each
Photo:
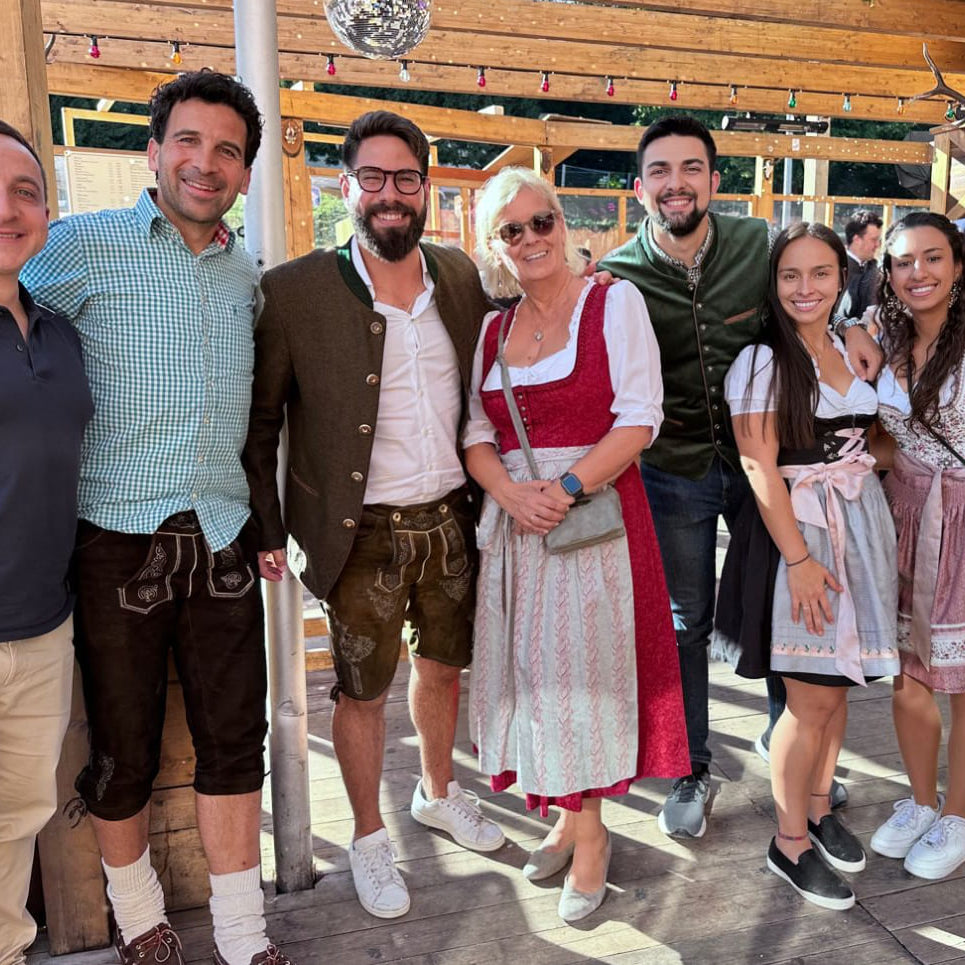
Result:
380,29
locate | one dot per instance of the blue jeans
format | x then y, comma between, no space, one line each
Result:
685,514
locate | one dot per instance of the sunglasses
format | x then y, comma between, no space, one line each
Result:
511,233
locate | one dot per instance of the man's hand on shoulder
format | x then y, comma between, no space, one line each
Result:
272,564
601,277
864,353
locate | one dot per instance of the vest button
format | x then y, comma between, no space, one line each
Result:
348,523
371,379
376,328
365,430
357,476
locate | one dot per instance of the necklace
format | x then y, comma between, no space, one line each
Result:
538,331
815,355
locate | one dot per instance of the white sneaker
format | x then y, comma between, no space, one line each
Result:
378,884
894,839
940,850
460,815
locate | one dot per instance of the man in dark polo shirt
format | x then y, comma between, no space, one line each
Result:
44,406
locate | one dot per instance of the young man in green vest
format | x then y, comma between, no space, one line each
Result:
704,277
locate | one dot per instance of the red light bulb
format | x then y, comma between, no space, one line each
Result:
481,77
544,84
94,50
330,67
673,90
610,89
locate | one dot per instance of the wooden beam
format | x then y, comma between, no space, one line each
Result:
299,220
340,111
926,19
486,20
23,92
501,83
802,62
734,144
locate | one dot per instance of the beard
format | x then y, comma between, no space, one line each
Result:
389,244
680,225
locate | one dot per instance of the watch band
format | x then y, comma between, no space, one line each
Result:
841,325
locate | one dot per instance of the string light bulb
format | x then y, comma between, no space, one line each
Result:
791,100
846,105
404,74
544,81
176,57
950,112
733,95
610,89
330,66
93,50
673,90
481,77
901,105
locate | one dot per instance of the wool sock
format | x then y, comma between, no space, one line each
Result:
237,906
135,895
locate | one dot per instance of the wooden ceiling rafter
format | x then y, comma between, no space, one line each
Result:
773,52
564,136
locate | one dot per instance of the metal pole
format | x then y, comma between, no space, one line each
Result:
256,51
788,186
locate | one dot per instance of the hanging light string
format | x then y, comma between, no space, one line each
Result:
176,57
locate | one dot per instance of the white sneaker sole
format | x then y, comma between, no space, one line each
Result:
834,904
892,851
467,843
837,863
762,752
382,913
681,832
935,872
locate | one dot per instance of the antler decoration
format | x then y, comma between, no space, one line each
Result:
940,86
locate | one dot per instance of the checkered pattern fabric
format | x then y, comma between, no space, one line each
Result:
169,352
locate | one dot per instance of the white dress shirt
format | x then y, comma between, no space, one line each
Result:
414,454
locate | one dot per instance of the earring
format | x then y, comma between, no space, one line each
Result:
892,304
954,293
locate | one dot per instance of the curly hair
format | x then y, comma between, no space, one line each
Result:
795,383
212,88
901,332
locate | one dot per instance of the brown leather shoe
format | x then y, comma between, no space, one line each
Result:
161,945
272,955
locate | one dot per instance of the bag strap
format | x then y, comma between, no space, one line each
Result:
508,394
940,438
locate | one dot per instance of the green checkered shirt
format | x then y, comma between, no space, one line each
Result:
168,349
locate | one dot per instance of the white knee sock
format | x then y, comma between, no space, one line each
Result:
237,906
136,897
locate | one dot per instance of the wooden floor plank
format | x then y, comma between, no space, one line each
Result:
698,902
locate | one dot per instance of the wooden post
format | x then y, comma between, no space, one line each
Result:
816,184
948,175
764,187
23,93
70,860
299,219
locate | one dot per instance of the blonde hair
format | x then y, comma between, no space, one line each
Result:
499,191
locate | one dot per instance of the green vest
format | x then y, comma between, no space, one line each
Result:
700,330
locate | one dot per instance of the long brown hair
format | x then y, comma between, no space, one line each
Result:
795,383
900,333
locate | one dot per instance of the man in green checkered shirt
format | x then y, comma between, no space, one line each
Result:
162,296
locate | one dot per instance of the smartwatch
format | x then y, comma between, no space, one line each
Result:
571,485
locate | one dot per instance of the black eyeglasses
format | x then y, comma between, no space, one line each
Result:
373,179
511,233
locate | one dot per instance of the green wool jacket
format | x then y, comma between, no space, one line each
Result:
318,355
701,330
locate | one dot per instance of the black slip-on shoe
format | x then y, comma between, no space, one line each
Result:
837,845
811,878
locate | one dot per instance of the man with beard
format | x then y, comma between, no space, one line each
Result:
704,277
370,348
162,296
